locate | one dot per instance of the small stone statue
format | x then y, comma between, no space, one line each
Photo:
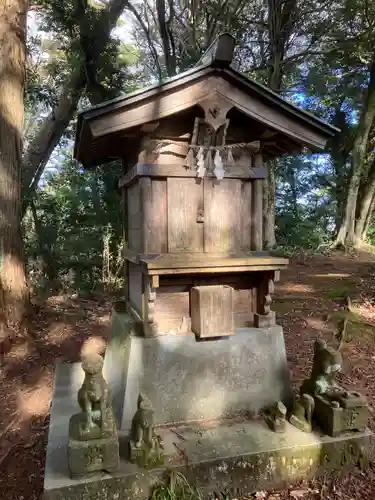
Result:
95,399
93,440
275,417
336,409
303,412
146,447
327,363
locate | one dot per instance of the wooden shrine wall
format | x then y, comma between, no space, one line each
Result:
172,302
179,214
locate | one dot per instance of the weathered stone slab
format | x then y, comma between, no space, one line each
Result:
116,360
240,456
190,380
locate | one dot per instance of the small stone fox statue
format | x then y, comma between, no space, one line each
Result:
94,397
143,423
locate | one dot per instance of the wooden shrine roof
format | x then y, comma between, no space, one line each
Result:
106,131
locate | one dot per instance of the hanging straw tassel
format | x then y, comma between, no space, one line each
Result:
219,167
190,159
230,159
201,170
209,161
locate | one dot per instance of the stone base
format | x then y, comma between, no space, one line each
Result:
145,456
92,455
238,458
191,380
337,420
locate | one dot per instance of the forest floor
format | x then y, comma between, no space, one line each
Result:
308,301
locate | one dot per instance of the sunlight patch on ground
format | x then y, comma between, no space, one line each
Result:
333,275
316,323
296,287
366,312
36,402
20,352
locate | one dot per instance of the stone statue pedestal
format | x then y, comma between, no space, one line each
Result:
94,454
145,456
337,417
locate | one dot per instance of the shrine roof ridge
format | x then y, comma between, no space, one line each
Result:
216,62
217,58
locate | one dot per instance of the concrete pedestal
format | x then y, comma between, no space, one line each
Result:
190,380
195,382
235,456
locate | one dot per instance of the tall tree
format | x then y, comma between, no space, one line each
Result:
13,287
83,30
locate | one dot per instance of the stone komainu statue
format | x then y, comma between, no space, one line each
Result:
94,397
146,448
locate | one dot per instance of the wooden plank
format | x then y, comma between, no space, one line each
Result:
134,237
212,311
159,106
243,308
222,206
136,287
238,281
209,270
257,209
124,200
134,207
177,170
155,281
155,216
145,206
131,255
245,216
171,261
136,256
172,312
185,200
269,114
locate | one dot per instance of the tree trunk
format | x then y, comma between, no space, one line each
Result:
347,234
270,204
49,135
364,204
41,147
368,219
13,287
281,18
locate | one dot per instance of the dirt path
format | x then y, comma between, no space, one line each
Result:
310,289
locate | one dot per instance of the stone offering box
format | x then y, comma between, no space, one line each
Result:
335,420
195,332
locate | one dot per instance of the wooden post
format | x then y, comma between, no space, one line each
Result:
124,200
148,315
257,208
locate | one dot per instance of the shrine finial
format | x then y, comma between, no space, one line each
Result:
220,52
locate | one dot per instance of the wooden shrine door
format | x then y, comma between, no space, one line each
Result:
206,215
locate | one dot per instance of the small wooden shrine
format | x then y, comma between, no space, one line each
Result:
194,151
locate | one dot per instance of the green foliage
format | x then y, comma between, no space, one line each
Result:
73,239
178,488
341,290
